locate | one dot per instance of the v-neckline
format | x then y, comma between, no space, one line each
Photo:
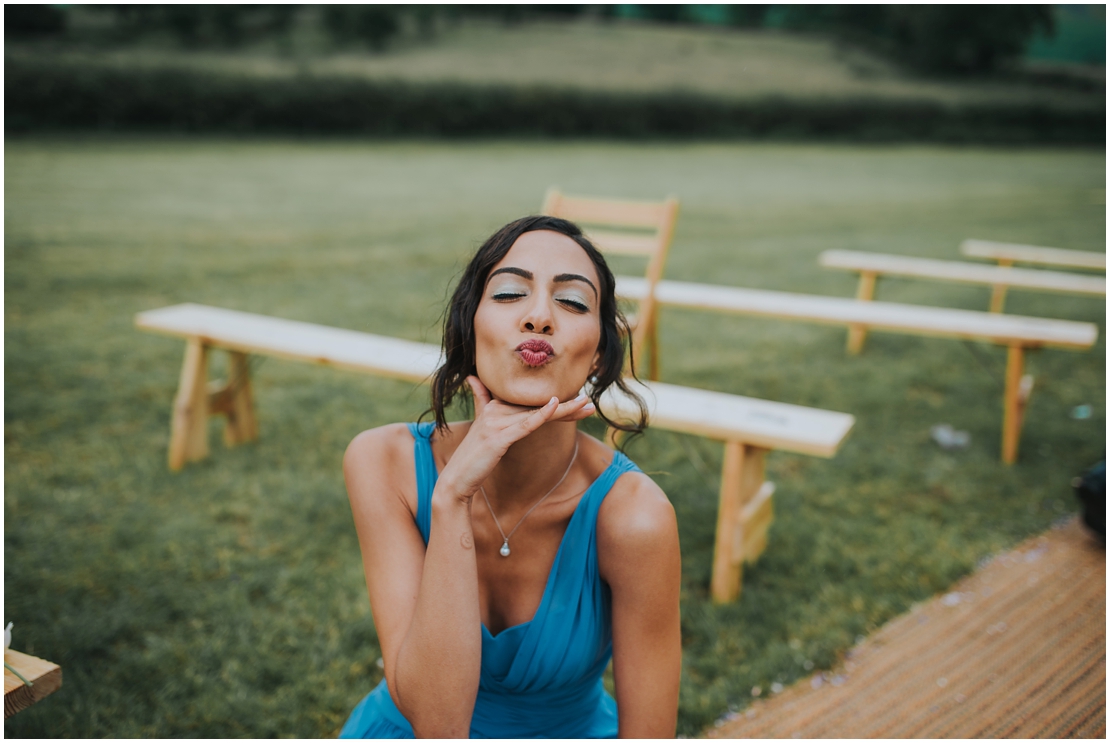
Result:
558,553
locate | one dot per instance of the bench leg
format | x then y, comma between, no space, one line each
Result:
189,425
743,518
234,400
1018,389
998,297
998,291
865,292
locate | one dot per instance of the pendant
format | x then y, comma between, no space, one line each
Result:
505,549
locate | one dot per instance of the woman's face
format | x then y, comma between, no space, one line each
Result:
537,327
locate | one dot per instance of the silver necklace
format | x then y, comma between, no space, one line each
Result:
505,551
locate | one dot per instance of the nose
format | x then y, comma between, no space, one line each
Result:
537,316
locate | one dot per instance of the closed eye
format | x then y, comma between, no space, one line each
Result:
575,305
506,296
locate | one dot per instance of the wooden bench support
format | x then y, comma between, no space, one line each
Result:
189,426
743,518
865,292
196,399
998,291
233,399
1018,389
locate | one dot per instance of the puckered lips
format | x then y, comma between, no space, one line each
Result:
535,352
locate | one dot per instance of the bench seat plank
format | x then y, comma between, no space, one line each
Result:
45,677
972,273
916,319
718,415
291,339
996,251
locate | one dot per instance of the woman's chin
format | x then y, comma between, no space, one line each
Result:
531,396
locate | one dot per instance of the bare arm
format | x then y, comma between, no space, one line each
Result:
639,558
425,601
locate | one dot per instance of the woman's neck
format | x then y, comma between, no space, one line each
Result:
532,466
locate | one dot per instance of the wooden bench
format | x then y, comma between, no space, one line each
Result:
1015,332
1007,254
45,678
749,428
870,266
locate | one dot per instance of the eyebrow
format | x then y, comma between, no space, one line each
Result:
560,279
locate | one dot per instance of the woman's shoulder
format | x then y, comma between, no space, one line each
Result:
379,467
636,513
376,444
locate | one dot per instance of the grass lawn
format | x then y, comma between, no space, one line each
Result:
228,600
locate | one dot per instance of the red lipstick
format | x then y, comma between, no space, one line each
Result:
535,352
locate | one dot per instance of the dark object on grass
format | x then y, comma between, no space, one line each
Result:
1090,488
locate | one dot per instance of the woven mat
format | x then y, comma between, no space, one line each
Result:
1015,650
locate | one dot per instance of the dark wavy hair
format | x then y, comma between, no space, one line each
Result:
458,324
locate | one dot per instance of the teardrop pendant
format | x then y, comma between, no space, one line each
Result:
505,549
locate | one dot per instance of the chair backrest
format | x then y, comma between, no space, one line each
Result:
643,228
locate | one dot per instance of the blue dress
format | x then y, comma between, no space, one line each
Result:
542,678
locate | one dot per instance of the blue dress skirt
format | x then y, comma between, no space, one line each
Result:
542,678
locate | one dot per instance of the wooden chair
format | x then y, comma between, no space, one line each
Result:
627,228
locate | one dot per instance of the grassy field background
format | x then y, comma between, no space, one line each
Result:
228,600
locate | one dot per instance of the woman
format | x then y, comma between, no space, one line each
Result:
508,557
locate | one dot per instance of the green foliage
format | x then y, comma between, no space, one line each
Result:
32,21
932,38
228,600
191,26
371,24
44,94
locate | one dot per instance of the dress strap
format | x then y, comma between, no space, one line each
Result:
426,474
604,483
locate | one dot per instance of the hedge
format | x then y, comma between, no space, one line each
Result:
64,96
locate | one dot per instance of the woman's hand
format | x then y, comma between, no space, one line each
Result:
497,426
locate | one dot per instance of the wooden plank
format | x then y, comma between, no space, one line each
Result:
970,273
45,676
299,341
1033,254
888,316
725,417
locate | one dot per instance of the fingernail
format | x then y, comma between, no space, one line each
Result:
553,401
589,406
582,396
